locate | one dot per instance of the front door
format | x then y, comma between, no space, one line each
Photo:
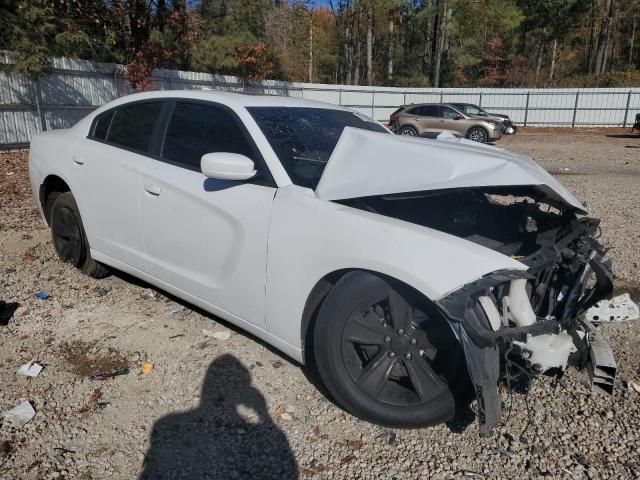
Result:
207,237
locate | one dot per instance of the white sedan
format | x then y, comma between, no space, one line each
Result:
411,273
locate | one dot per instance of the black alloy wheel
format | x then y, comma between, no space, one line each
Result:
67,235
384,358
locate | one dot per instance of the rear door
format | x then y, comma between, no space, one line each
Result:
203,236
428,119
107,189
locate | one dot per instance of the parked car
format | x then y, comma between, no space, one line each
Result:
405,270
431,119
470,109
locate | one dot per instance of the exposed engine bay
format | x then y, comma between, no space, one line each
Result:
532,318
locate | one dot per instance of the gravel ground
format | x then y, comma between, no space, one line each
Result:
234,408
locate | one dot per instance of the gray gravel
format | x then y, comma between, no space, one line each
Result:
238,409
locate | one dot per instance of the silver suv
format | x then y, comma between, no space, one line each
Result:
431,119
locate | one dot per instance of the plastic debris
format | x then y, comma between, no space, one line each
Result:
617,309
147,368
6,311
634,386
41,295
107,376
20,415
222,336
31,369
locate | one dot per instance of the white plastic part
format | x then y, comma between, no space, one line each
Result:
617,309
542,351
520,310
491,312
548,351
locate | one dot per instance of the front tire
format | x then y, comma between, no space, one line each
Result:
478,134
69,238
385,355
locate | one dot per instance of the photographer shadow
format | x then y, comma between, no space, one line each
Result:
214,441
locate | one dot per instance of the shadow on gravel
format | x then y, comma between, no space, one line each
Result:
213,441
624,135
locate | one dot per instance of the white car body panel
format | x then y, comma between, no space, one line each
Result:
311,238
367,163
252,254
209,237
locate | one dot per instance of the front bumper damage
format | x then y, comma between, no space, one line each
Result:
534,315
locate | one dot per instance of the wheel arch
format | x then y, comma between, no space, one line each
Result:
321,289
52,183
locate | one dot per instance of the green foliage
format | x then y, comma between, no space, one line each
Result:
32,36
216,53
411,42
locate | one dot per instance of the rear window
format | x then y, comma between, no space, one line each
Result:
304,138
132,125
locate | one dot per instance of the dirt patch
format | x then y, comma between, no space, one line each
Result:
621,286
86,359
6,447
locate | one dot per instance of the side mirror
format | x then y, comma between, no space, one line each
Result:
227,166
458,117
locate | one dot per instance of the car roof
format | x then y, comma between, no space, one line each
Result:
227,98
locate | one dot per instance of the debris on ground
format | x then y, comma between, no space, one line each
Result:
284,412
41,295
147,368
221,335
107,376
617,309
6,311
20,415
634,386
30,369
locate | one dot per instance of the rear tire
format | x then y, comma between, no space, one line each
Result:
385,355
408,131
68,235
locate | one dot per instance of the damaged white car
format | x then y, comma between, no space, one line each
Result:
412,273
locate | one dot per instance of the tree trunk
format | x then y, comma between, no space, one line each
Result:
442,28
391,45
356,71
552,70
633,38
311,47
601,42
539,61
348,56
369,48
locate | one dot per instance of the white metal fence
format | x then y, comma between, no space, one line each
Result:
75,87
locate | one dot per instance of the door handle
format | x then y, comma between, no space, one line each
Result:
78,160
152,189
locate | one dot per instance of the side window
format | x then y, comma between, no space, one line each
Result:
132,125
429,111
446,112
195,129
101,125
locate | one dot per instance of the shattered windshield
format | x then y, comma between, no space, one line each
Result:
304,138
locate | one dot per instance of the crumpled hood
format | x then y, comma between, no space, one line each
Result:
366,163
